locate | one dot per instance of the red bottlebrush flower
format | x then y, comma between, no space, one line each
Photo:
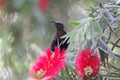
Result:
43,4
47,66
2,2
87,65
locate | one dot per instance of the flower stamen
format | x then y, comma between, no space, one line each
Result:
88,71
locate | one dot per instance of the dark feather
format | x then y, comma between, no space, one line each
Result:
58,41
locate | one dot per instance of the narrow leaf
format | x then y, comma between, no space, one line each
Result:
104,47
74,23
85,20
98,28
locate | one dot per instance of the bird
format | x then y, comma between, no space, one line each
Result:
58,41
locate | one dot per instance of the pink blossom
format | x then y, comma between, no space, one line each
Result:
2,2
43,4
48,66
87,65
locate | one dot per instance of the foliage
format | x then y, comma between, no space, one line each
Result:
100,30
24,32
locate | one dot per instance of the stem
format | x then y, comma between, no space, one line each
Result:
109,37
115,43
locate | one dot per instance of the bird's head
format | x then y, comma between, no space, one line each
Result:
58,25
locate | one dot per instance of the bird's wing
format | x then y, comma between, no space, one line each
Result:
54,43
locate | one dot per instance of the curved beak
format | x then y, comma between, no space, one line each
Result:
58,25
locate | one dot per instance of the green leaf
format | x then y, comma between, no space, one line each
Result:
80,38
74,23
118,11
104,47
118,2
73,35
91,15
92,32
68,72
117,55
93,10
70,34
98,28
112,78
85,20
113,66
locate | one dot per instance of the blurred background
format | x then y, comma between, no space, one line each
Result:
25,30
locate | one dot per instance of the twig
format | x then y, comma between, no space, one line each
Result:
115,43
109,37
109,25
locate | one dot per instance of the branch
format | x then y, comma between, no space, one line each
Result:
115,43
109,37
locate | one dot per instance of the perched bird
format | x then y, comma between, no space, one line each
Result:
58,41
